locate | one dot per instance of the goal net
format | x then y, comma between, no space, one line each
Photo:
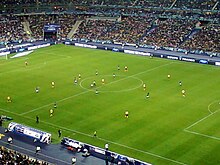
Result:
4,55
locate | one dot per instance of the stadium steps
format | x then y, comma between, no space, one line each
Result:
190,35
173,4
215,6
147,32
135,2
26,26
74,29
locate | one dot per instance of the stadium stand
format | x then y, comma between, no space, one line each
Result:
9,156
129,29
168,33
37,22
11,29
161,24
151,3
195,4
207,39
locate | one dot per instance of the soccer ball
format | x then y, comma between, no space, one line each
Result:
168,75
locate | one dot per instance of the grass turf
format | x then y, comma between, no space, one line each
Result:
166,128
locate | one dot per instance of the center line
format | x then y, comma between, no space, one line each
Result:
35,109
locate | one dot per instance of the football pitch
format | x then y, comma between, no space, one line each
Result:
165,128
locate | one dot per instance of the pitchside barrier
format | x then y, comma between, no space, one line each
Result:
136,50
28,132
117,47
104,154
24,47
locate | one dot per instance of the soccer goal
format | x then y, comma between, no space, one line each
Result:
4,55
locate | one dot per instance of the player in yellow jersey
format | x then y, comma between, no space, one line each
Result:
103,81
51,112
126,68
126,114
52,84
183,93
144,87
9,99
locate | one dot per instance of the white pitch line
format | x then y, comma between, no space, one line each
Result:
211,104
53,103
24,69
98,87
201,119
105,140
204,135
145,152
123,90
36,66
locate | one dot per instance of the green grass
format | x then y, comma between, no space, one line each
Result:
155,131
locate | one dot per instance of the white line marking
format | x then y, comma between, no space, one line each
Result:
53,102
35,66
200,134
105,140
96,88
211,104
23,68
122,90
145,152
201,120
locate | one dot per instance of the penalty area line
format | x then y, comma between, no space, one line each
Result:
201,134
201,120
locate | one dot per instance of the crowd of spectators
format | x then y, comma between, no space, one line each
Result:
169,32
28,2
11,29
37,22
152,3
147,30
183,4
12,157
207,39
66,23
196,4
129,29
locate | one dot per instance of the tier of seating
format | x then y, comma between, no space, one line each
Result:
37,22
183,4
196,4
207,39
129,29
148,30
169,33
12,157
11,29
152,3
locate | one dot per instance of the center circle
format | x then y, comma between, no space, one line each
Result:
119,83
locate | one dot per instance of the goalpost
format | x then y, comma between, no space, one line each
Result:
4,55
